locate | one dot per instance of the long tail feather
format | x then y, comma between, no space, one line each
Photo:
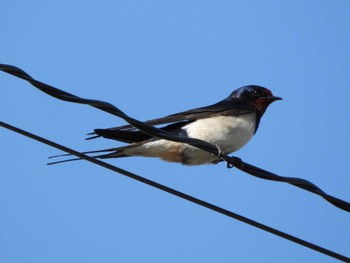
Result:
64,161
92,137
113,153
87,152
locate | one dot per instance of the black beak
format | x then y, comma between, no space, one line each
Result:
273,98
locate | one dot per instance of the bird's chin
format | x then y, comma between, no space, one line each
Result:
264,102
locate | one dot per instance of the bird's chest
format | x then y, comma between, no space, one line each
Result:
230,133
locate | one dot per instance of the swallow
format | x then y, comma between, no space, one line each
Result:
228,124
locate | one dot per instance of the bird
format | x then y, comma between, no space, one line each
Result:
228,124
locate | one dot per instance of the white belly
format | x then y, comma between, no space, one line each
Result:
227,132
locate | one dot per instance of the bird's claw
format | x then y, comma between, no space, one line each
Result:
231,161
234,162
220,153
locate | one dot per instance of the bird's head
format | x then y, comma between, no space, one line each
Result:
257,96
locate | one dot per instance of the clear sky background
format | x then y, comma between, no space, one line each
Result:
151,59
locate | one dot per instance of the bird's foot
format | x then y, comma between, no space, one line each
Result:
220,153
234,162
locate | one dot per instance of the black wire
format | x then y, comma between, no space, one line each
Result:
181,194
153,131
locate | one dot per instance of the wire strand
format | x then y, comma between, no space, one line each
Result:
180,194
153,131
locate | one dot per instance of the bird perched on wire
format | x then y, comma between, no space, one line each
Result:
228,124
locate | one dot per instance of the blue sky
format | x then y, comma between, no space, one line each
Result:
151,59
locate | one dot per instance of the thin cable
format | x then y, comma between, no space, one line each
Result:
153,131
180,194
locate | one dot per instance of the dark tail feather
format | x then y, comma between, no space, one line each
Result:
92,137
64,161
96,151
115,153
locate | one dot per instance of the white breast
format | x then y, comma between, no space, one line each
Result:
228,132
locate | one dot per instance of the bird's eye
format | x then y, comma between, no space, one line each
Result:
255,92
